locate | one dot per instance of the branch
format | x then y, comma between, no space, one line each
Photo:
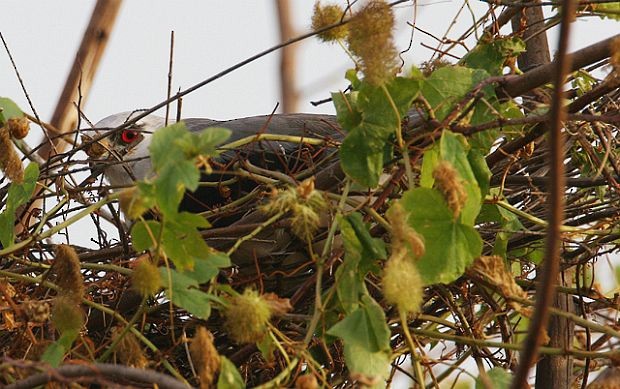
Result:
517,85
107,371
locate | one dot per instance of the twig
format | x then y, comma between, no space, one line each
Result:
551,264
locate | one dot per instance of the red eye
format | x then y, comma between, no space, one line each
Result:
129,136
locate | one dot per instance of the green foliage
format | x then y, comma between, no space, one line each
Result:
9,110
54,353
19,194
173,150
366,338
361,255
500,379
229,377
184,292
451,245
371,115
491,55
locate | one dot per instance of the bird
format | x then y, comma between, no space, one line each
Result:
127,161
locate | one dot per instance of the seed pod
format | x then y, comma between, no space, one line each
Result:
205,357
10,163
324,16
247,316
146,278
18,127
67,268
402,283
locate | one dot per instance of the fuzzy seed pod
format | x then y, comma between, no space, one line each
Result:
146,278
10,163
326,16
370,39
305,205
449,183
130,351
247,316
18,127
205,357
402,283
131,203
403,233
67,268
67,315
306,381
37,311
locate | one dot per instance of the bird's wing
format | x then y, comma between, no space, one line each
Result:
297,124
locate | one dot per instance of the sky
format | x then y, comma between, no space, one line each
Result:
210,36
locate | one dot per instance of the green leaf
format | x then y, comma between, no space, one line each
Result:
18,195
184,292
349,283
347,113
359,259
363,150
454,149
447,85
9,110
491,56
229,375
500,379
361,155
370,364
210,138
365,327
451,246
376,106
207,268
55,352
144,234
182,241
481,170
373,248
607,10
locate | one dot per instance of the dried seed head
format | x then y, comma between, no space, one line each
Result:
449,183
278,306
205,357
93,149
131,203
326,16
370,39
305,205
66,314
129,350
493,268
37,311
247,316
146,278
18,127
402,232
608,379
67,268
402,283
10,163
306,381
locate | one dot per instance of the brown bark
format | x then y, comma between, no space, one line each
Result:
288,91
82,72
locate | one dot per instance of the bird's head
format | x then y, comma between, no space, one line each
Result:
125,156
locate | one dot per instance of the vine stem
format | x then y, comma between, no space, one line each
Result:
415,360
318,304
124,332
59,227
255,232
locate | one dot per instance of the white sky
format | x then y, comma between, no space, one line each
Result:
209,37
